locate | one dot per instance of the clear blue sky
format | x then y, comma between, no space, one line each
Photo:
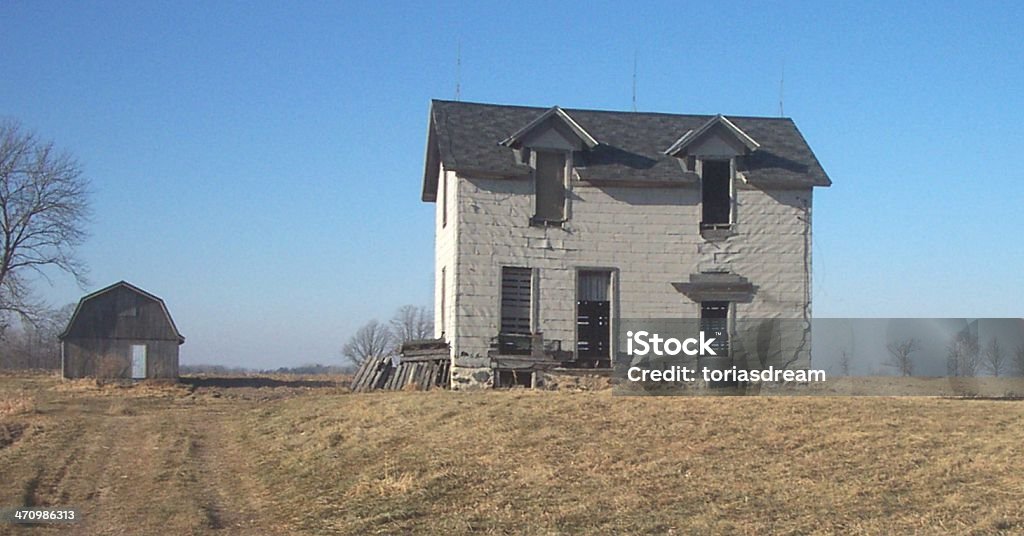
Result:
258,165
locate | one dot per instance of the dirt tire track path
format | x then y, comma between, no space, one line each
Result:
232,498
148,467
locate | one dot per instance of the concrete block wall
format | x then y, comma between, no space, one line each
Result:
649,237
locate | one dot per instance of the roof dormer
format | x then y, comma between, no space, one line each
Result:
553,129
717,138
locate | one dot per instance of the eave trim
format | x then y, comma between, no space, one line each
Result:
693,135
555,111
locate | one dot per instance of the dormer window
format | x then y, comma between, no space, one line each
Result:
547,144
549,187
712,150
716,194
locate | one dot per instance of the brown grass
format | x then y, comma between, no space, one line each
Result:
12,405
122,388
529,462
293,459
121,407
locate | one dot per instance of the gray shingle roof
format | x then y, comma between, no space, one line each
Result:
466,139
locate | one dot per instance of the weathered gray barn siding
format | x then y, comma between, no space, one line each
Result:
98,341
111,358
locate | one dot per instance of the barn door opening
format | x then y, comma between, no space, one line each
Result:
593,318
138,361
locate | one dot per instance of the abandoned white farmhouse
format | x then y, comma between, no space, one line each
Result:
554,224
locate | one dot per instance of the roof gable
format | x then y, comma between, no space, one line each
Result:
543,121
130,288
717,124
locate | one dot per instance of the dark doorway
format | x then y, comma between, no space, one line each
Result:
593,319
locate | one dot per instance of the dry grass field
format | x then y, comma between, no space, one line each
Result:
273,456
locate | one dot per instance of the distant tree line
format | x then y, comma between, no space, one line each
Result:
31,343
301,370
376,339
965,357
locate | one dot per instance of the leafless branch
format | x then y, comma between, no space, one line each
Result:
44,208
994,358
371,340
412,323
962,357
899,356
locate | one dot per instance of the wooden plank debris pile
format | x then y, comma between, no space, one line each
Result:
423,365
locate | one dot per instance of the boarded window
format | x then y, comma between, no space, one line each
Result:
515,300
550,186
127,305
593,318
715,195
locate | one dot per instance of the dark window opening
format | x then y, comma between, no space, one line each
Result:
716,199
714,322
593,319
516,300
550,187
514,378
444,200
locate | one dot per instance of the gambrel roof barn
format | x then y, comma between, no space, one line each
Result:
120,331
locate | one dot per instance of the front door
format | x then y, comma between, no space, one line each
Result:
593,318
138,361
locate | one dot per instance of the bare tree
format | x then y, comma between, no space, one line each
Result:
1018,360
44,207
34,345
899,356
370,341
994,358
962,355
844,363
412,323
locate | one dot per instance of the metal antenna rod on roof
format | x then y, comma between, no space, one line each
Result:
458,71
634,80
782,81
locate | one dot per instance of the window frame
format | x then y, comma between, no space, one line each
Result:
731,161
567,167
128,306
444,199
531,288
729,315
613,305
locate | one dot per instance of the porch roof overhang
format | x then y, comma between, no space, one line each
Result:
717,287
